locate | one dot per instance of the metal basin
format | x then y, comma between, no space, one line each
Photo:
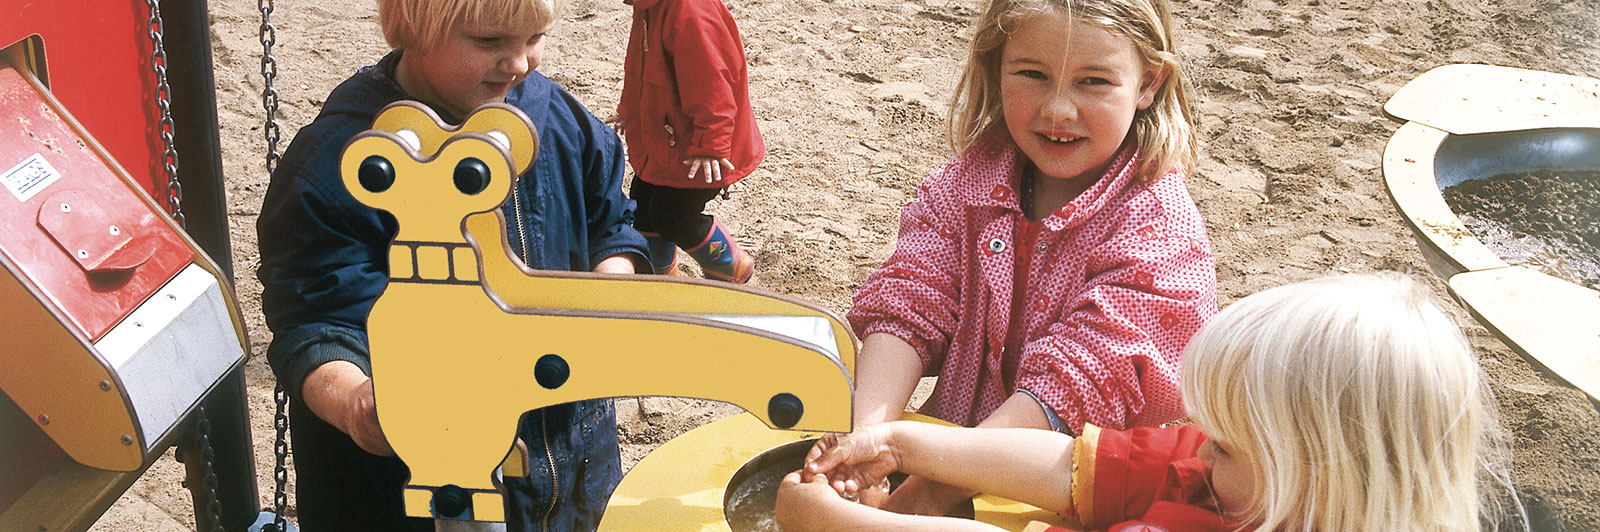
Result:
1469,122
722,477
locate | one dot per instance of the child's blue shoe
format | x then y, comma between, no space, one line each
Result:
721,257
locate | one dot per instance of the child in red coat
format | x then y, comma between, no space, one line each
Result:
1342,403
686,116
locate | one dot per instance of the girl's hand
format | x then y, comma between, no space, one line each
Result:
860,460
802,504
711,166
920,496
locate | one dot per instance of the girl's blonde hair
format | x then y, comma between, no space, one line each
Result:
422,24
1356,400
1164,131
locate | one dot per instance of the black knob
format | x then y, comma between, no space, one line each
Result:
472,176
451,501
375,174
551,371
785,410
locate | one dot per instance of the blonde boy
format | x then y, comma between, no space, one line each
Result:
324,261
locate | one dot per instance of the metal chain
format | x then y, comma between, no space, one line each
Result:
269,95
208,457
169,157
280,421
174,196
280,453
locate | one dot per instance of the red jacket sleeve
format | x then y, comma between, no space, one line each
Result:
1119,476
708,60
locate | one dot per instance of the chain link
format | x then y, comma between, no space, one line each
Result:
174,196
208,456
169,156
269,94
280,453
280,421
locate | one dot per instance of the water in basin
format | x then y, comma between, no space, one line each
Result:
1548,220
752,493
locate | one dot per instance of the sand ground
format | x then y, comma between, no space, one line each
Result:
851,93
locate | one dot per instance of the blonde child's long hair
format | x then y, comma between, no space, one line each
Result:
422,24
1358,402
1164,131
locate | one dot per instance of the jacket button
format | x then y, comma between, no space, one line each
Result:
999,193
997,245
1169,320
1042,247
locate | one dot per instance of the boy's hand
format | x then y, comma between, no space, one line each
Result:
858,461
361,422
341,394
711,166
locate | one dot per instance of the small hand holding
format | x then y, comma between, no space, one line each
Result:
859,460
615,121
712,167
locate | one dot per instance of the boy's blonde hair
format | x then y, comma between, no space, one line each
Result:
1164,131
1357,402
422,24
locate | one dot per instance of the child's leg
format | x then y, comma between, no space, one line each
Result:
719,254
677,215
663,253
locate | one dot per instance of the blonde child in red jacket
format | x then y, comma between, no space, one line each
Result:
1336,404
685,113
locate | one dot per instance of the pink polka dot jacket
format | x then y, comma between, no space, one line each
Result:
1119,280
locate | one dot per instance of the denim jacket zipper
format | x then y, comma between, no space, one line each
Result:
555,479
522,233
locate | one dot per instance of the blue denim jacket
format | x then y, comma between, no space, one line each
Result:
324,260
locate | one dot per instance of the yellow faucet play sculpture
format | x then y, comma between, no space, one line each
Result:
465,338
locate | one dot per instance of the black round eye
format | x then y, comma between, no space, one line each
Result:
551,371
375,174
785,410
472,176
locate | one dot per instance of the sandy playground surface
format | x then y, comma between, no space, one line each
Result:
851,96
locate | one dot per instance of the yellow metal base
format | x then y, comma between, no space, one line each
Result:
681,485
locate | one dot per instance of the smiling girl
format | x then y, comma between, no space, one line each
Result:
1050,274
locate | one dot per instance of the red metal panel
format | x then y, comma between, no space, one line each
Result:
73,226
98,52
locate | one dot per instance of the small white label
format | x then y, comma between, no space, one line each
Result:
29,177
